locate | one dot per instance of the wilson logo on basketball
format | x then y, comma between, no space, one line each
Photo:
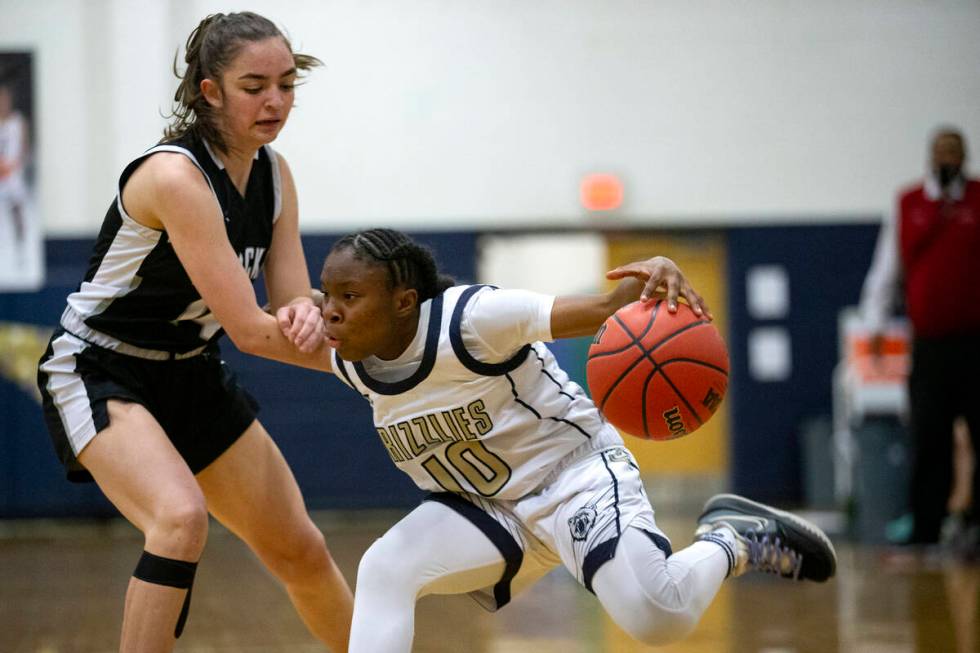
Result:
711,400
674,423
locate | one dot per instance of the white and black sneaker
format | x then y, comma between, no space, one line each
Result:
767,539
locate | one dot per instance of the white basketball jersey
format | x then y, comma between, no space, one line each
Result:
455,422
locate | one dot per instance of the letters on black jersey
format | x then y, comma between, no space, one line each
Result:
251,259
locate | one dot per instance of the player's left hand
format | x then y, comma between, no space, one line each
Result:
661,272
302,324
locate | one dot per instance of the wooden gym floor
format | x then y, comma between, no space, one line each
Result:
62,587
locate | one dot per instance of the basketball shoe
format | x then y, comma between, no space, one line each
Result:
767,539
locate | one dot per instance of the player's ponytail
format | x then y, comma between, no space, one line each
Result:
209,50
408,263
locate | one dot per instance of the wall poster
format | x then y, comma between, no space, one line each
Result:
21,242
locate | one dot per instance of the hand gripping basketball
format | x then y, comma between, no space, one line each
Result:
657,375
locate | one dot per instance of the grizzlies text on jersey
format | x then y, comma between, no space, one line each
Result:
454,422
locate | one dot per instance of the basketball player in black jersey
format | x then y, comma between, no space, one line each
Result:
136,396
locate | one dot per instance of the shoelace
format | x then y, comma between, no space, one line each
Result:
773,557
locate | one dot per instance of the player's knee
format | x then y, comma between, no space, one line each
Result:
653,613
664,627
375,565
300,557
382,569
655,624
180,528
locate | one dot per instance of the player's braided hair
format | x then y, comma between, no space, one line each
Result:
409,264
210,48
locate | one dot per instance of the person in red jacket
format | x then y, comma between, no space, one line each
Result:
930,247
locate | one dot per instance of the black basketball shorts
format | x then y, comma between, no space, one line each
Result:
197,400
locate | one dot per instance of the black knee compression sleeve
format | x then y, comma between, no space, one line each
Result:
172,573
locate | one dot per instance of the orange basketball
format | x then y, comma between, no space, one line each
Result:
657,375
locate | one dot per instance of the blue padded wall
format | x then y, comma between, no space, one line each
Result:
324,429
826,266
32,481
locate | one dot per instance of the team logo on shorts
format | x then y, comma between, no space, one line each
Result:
618,455
582,522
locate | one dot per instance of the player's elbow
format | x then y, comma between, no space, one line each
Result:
253,344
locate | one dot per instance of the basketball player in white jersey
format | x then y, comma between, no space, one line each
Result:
135,393
522,470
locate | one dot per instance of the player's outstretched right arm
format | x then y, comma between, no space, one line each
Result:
573,316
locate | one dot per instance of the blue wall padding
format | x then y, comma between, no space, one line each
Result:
324,429
826,266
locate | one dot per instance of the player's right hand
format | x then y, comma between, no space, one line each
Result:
661,272
302,324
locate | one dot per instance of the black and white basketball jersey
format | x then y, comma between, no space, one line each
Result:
455,422
136,294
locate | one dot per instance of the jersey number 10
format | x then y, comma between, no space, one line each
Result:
484,471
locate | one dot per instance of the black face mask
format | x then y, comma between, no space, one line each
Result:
947,173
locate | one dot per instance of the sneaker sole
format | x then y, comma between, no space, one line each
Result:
798,523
